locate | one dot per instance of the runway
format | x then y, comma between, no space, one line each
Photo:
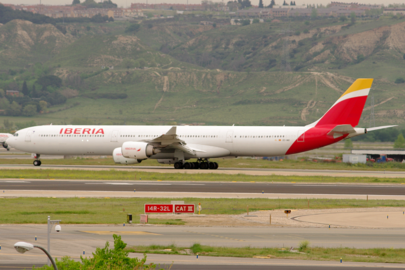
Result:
202,187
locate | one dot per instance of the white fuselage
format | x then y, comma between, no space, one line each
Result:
214,141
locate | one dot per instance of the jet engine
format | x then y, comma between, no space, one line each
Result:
5,145
120,159
138,150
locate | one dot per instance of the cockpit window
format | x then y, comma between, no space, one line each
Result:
15,134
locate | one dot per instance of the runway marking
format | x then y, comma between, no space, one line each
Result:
15,181
120,232
219,236
119,184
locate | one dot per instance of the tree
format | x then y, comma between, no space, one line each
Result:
34,92
399,142
348,144
285,3
272,3
245,22
14,109
343,18
260,3
246,3
43,104
352,18
49,80
256,21
133,28
128,63
76,2
25,89
29,110
314,13
399,80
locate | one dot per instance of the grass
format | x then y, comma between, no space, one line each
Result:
140,175
95,210
376,255
300,164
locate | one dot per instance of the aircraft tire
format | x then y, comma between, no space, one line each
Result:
187,166
196,165
37,162
211,165
216,165
178,165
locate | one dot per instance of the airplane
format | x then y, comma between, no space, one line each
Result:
3,139
178,144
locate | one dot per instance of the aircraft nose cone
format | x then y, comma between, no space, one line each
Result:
9,142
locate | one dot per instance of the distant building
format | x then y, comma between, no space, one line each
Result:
394,11
13,93
206,23
255,12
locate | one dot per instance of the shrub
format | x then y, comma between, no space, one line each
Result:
133,28
245,22
306,31
304,245
105,258
196,248
399,80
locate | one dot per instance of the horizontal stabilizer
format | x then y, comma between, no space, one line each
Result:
341,130
382,127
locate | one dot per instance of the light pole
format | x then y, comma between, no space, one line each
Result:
23,247
57,228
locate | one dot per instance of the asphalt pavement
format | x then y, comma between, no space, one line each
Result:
213,187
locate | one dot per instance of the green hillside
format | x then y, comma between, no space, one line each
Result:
177,71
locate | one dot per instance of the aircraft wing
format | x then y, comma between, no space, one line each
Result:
171,140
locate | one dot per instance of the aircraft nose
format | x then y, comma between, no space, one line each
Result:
10,142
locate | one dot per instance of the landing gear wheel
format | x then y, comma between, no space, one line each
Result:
37,162
204,165
211,165
196,165
187,166
216,165
178,165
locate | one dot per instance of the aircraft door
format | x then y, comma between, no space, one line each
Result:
301,136
229,136
29,135
114,136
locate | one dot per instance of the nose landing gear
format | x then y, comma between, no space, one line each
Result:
36,162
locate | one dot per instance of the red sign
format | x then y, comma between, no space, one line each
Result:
184,208
158,208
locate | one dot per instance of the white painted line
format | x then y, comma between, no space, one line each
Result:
15,182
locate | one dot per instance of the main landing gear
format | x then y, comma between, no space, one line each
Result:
37,162
200,164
